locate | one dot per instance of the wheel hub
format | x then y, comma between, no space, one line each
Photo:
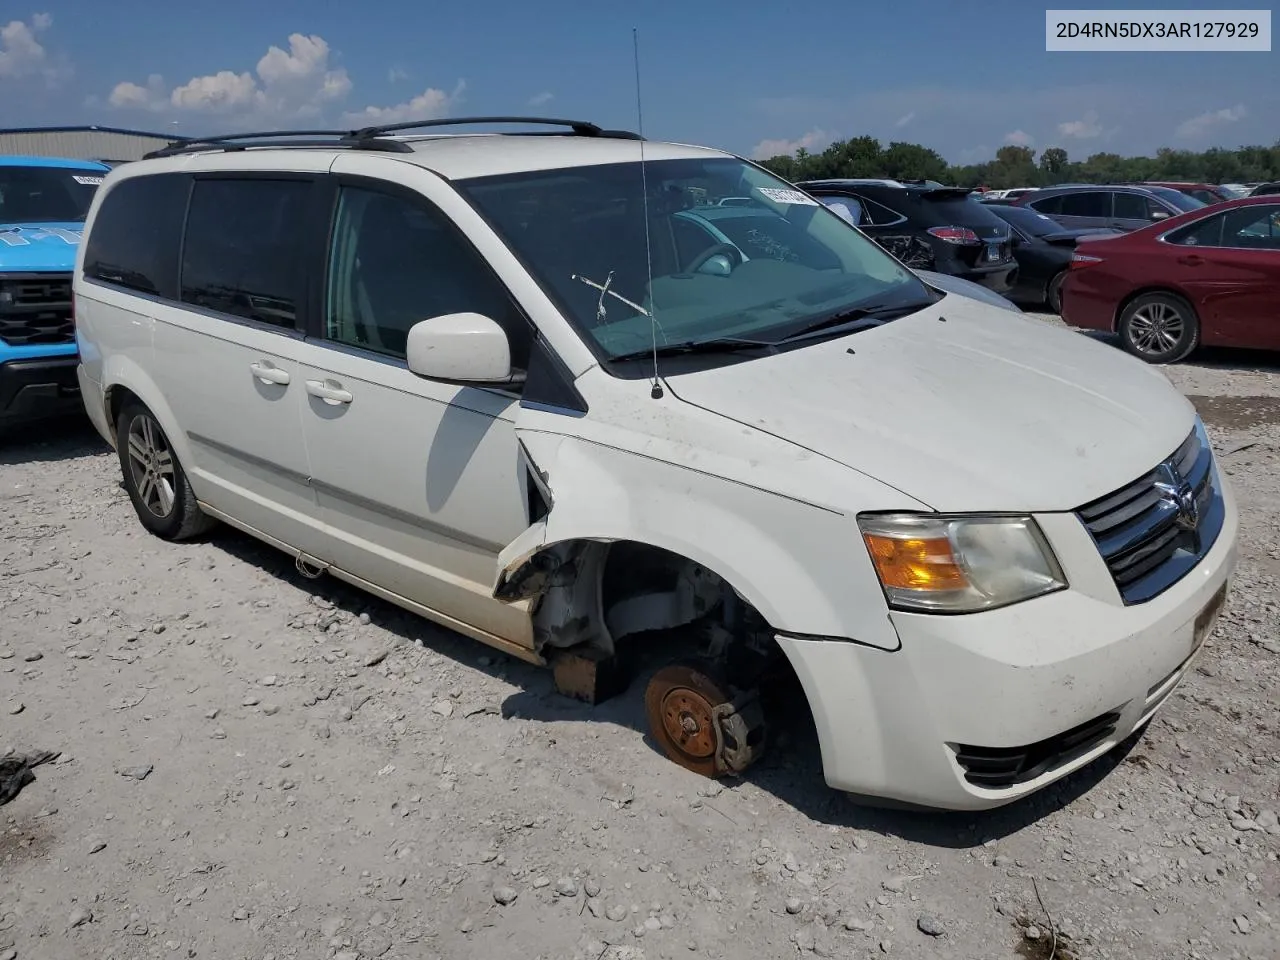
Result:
687,720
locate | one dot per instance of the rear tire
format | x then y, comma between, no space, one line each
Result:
1053,293
1159,328
154,478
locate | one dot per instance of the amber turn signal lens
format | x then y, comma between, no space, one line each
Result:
915,564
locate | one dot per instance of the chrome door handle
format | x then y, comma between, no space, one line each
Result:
327,393
269,372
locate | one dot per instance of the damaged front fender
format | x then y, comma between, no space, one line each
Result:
795,563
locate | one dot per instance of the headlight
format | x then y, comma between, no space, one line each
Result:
959,564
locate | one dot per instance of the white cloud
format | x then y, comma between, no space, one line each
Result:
815,139
905,119
541,99
127,95
286,84
1086,128
428,105
397,74
1019,138
1200,126
216,92
21,54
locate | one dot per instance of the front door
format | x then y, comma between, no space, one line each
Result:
418,481
227,355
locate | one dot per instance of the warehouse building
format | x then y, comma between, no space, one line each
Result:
109,144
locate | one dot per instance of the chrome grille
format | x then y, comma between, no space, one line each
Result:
35,308
1152,531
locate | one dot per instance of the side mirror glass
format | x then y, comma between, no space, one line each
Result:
459,348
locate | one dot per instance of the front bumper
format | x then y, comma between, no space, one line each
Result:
1005,683
37,388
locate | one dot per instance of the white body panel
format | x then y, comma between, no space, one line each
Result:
416,489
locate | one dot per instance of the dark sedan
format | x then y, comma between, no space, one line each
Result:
1043,249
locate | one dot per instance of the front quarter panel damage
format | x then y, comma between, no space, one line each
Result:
801,567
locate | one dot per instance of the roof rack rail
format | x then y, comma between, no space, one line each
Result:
580,128
366,138
279,138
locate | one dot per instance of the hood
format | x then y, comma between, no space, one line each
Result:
39,246
987,411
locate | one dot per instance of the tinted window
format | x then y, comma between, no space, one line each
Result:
1134,206
243,248
1087,203
395,262
1206,233
137,232
1047,204
46,194
1255,228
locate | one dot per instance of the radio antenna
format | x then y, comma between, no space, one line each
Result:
655,390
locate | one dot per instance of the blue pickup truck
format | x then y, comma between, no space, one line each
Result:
43,203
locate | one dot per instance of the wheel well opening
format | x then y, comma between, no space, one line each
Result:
116,398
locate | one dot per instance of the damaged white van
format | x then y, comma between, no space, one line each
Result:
550,390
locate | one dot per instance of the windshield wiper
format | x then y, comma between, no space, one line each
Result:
715,345
849,321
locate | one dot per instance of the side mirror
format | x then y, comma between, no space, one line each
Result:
459,348
1159,214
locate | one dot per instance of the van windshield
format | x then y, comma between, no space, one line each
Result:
763,267
30,194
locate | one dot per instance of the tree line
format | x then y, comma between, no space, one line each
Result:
1016,166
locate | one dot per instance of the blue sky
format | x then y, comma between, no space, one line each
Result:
961,78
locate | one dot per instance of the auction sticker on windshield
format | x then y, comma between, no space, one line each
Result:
778,195
87,180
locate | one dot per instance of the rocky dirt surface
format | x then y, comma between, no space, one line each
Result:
255,765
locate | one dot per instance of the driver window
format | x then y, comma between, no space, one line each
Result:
394,262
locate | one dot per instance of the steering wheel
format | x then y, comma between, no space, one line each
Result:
714,250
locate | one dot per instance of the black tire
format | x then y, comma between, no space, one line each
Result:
154,478
1159,328
1053,292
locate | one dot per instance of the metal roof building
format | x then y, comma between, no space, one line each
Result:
109,144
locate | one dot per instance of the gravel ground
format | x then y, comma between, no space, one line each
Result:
257,766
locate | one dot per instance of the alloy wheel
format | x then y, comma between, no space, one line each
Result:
1156,328
151,464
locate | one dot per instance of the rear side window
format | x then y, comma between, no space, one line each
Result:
243,253
137,232
1091,203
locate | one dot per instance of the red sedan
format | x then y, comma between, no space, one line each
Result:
1209,277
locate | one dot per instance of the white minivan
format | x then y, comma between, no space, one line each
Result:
510,381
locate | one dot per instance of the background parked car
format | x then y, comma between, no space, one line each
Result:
1207,277
1266,189
1043,249
927,226
1204,192
43,202
1118,207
